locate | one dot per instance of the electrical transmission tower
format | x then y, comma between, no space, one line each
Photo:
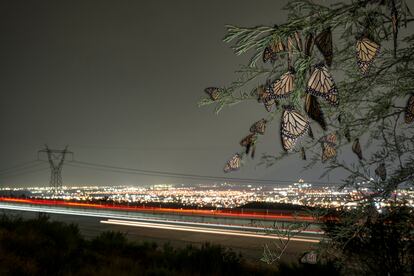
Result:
56,158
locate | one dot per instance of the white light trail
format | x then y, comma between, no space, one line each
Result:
204,230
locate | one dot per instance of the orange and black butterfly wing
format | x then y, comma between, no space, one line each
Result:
213,92
321,84
347,134
310,41
259,127
247,145
409,110
293,126
366,52
268,54
253,151
268,101
283,87
356,148
266,97
314,111
310,133
233,164
323,42
303,153
248,142
328,147
331,138
293,123
288,142
328,152
381,171
271,51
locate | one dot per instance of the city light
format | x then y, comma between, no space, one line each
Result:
223,195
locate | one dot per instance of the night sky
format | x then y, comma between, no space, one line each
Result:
119,82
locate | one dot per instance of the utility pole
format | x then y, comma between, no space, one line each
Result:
56,158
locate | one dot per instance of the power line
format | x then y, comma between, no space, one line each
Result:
24,173
163,149
104,167
17,166
24,166
117,169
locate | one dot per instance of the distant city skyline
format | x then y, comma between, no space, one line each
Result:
220,195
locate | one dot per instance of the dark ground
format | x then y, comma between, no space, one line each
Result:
250,248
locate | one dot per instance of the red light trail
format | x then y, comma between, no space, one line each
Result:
190,212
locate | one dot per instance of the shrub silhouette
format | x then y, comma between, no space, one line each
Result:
43,247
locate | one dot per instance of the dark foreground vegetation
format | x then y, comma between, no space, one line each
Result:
366,242
43,247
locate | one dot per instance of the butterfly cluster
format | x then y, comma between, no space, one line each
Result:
320,85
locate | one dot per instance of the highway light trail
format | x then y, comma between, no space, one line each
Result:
194,212
205,230
156,221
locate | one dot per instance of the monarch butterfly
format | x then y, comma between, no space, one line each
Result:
381,171
328,147
330,138
248,142
259,127
367,51
260,92
303,153
298,39
268,105
293,125
310,133
266,98
233,164
314,111
271,51
283,87
394,20
347,134
356,148
213,92
309,44
409,110
321,84
324,43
